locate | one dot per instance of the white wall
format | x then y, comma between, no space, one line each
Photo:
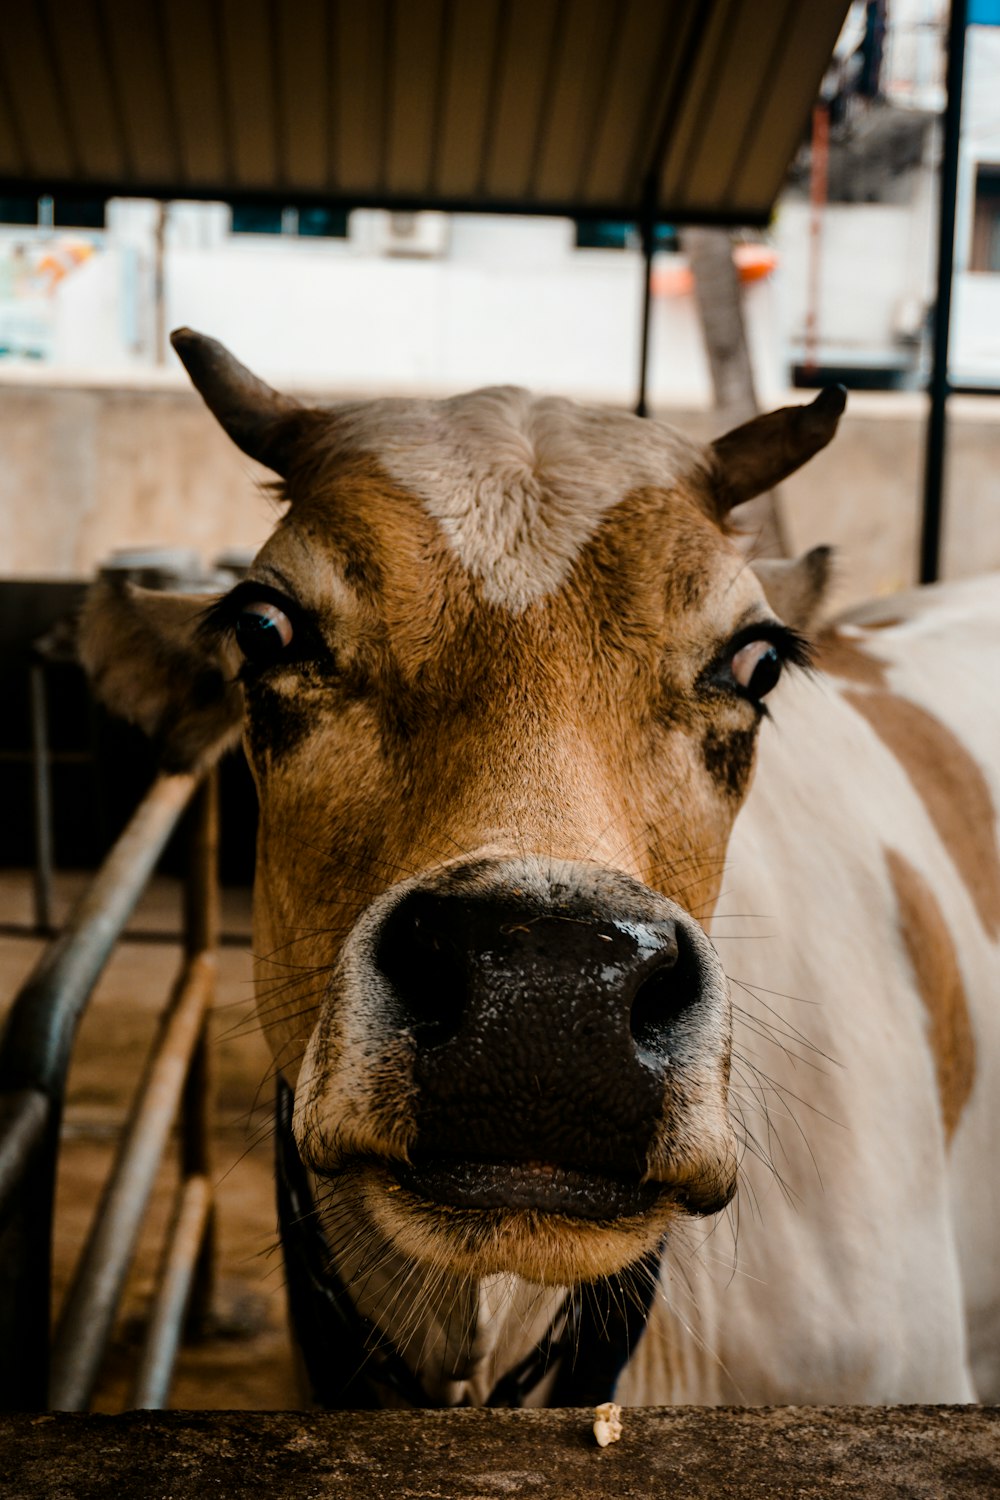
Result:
974,356
874,277
513,302
510,300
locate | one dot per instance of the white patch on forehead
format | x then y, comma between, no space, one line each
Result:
517,483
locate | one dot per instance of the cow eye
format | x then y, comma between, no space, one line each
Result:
263,632
756,668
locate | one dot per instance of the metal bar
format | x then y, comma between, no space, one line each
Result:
201,889
181,1257
934,455
196,1159
100,1274
201,923
648,231
24,1115
26,1257
652,210
36,1044
42,798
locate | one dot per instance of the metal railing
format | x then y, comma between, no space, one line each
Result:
37,1370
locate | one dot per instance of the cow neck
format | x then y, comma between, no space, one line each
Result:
352,1364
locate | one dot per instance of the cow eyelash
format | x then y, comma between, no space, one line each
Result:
792,648
218,623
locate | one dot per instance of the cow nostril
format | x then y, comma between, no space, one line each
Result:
426,971
661,997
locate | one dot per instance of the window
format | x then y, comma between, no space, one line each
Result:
58,213
18,210
273,218
985,254
615,234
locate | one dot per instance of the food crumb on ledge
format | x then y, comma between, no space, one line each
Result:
607,1423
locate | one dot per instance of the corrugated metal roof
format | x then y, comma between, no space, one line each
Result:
690,107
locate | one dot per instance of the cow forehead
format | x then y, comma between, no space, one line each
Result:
516,484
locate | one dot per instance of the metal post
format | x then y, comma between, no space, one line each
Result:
201,935
647,229
42,787
934,457
29,1131
185,1245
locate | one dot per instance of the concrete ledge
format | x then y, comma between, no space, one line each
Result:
686,1452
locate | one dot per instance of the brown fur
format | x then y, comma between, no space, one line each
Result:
931,953
846,657
952,788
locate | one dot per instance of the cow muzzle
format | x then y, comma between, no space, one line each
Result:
526,1037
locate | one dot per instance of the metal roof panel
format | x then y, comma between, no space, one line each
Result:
529,105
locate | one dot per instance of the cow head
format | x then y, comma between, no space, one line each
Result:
499,673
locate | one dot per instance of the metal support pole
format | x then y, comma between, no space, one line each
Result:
934,456
29,1140
42,788
185,1244
201,889
201,935
647,229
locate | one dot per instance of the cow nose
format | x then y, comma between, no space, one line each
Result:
529,1012
436,954
422,953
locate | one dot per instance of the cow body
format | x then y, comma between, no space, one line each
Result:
500,675
864,1266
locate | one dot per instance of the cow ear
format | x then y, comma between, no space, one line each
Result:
797,589
265,424
149,663
760,454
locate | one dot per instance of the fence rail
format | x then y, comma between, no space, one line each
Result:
35,1052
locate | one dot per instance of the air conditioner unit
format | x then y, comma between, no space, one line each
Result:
423,235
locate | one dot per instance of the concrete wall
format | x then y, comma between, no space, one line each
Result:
91,468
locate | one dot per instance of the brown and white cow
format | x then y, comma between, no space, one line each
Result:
500,674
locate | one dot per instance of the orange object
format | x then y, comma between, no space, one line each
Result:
753,263
63,257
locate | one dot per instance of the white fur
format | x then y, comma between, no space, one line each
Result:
517,483
875,1277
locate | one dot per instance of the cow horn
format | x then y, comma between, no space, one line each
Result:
760,454
258,419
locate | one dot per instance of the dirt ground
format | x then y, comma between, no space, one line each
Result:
245,1361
